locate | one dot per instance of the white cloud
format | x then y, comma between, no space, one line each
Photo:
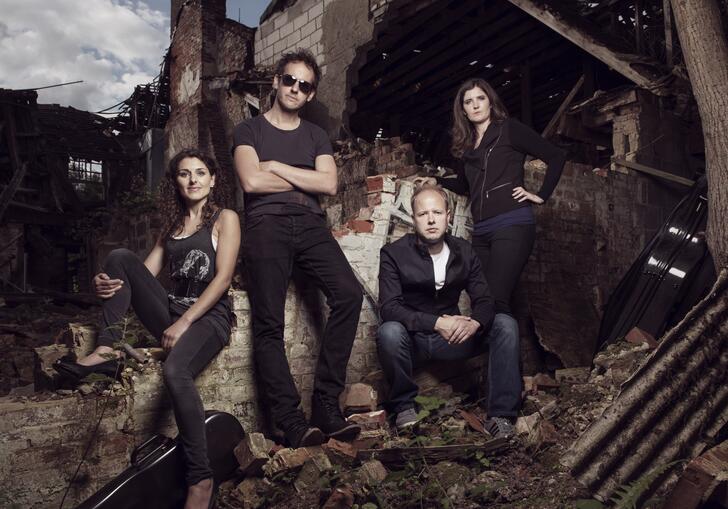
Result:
112,45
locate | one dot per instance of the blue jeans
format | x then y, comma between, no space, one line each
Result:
399,352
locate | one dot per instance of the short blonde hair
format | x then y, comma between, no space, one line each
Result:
430,187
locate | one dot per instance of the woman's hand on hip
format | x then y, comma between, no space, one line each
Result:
520,195
172,333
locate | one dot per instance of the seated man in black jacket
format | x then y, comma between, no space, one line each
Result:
421,277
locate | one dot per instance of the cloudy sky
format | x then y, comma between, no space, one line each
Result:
112,45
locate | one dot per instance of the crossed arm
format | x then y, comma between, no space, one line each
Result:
276,177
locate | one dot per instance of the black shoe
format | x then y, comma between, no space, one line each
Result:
326,414
76,371
302,435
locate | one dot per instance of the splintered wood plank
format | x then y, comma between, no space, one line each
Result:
401,455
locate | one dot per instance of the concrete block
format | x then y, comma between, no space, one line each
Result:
372,472
80,338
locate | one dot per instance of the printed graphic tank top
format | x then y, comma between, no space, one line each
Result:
191,268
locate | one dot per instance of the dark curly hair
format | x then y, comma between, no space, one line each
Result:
463,132
300,55
171,205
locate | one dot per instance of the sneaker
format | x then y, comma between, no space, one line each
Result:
499,427
406,419
302,435
326,415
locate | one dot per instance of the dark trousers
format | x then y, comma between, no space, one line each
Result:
503,254
400,352
273,246
194,350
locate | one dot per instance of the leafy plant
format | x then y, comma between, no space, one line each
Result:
626,497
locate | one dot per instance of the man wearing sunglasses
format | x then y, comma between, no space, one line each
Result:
284,163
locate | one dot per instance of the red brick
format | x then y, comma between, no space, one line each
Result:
638,336
342,453
700,478
375,183
360,398
374,199
360,226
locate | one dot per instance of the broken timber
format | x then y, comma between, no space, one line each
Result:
401,455
653,171
622,63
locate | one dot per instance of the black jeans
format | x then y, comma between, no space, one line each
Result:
503,254
273,246
194,350
400,352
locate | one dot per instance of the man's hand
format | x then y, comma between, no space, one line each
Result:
456,328
466,328
172,333
105,287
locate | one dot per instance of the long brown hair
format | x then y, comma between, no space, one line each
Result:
171,205
463,131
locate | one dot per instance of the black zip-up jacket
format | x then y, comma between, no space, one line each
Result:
407,291
490,172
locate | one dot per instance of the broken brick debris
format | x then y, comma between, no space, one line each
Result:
372,472
637,336
370,420
287,460
360,398
572,375
252,453
705,476
340,452
544,381
341,498
311,472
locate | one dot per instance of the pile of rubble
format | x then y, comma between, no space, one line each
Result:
448,460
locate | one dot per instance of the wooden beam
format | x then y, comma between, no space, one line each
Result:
18,168
401,49
526,110
433,454
579,36
551,126
457,46
639,44
667,18
653,171
443,69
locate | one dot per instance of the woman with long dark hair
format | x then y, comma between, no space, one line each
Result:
199,242
493,147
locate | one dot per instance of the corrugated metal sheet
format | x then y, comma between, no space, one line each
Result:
669,409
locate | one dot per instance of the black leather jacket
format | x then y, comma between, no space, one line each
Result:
407,291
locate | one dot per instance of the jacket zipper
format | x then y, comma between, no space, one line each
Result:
487,191
485,170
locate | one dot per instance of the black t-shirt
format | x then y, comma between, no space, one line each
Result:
298,147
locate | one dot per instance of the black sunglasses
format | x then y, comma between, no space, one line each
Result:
289,80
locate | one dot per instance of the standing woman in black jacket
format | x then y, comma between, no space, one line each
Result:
493,148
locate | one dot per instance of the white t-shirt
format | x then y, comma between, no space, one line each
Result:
439,261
